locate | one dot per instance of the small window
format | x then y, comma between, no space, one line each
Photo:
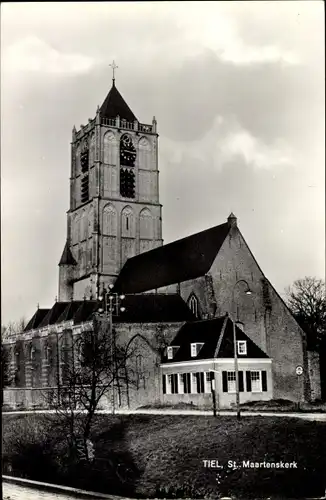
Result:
255,381
195,348
231,382
171,351
242,347
127,223
186,383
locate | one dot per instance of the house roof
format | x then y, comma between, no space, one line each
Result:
210,332
114,105
67,257
147,308
36,319
175,262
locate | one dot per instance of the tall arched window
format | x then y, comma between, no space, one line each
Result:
92,150
145,154
109,220
127,223
109,148
193,305
146,224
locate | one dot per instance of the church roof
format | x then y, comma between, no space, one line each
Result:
114,105
211,332
147,308
175,262
36,319
67,257
53,314
155,308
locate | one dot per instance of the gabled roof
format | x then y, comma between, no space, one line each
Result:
53,314
36,319
155,308
114,105
175,262
209,333
67,257
69,311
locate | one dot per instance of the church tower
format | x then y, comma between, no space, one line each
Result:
114,209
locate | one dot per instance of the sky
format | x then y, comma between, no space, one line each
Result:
237,89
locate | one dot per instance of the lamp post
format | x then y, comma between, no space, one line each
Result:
236,368
111,303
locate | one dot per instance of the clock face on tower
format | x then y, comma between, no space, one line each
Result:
127,151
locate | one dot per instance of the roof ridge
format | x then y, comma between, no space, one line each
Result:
221,335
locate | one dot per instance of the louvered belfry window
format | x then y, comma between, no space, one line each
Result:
127,164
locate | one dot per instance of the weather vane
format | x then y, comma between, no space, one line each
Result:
114,67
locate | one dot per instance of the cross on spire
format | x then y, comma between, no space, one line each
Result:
114,67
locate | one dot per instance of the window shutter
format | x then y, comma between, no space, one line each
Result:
225,381
164,384
176,384
241,388
264,380
248,380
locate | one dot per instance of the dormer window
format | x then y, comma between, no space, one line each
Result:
171,351
195,348
242,347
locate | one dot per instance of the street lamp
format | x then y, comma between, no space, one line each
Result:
236,368
111,303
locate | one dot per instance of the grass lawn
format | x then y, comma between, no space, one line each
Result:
163,455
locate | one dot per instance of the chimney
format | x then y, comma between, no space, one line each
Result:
232,220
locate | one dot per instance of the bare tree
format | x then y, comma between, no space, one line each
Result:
306,300
91,366
12,328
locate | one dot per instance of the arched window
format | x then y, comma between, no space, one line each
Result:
127,151
90,222
77,160
127,223
92,150
109,148
146,224
145,154
193,305
109,220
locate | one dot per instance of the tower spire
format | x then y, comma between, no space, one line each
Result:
114,67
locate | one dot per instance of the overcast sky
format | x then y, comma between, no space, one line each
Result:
238,92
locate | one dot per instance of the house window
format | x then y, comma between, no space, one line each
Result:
231,382
242,347
195,348
209,377
180,383
171,351
193,305
199,377
173,383
255,381
186,383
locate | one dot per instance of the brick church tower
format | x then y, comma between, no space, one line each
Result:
114,209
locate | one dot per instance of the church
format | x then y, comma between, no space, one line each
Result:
181,299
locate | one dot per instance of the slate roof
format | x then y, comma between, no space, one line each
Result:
53,314
155,308
147,308
209,332
36,319
67,257
175,262
114,105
